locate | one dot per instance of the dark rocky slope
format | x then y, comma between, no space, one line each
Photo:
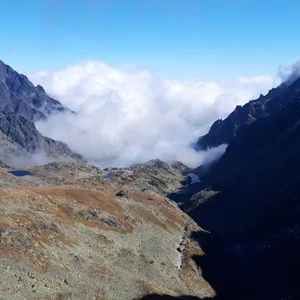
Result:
249,201
260,170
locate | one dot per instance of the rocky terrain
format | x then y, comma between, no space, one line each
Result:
73,231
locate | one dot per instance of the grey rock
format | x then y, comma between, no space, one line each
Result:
181,248
110,222
121,194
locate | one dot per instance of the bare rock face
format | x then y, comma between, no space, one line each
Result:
65,234
21,104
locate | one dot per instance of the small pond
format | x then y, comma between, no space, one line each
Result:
20,173
110,175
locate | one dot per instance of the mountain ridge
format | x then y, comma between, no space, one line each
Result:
223,131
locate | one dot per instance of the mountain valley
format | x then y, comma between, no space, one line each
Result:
227,230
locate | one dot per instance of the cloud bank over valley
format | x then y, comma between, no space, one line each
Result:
124,117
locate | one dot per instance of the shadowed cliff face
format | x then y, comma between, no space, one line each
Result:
249,202
21,104
256,179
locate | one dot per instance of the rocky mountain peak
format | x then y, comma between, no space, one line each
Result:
40,89
21,105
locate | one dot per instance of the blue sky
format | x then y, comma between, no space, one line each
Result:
211,39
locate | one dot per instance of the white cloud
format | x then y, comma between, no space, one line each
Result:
289,73
256,80
126,117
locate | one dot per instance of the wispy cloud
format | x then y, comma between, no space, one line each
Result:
124,117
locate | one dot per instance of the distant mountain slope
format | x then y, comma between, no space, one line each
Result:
223,131
10,150
21,104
